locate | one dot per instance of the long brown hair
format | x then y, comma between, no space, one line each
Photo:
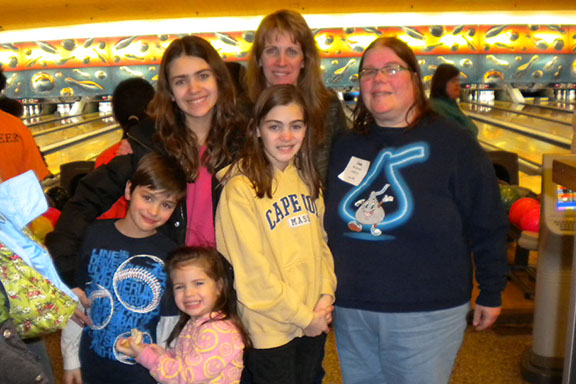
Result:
363,119
218,269
310,83
171,128
253,162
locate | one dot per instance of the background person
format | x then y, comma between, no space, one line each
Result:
129,103
444,93
18,150
413,204
11,106
130,100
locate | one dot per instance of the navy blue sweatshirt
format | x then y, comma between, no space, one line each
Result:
406,235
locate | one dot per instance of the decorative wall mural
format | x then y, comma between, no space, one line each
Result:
518,54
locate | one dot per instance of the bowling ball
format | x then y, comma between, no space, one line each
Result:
530,220
509,194
53,215
40,228
520,207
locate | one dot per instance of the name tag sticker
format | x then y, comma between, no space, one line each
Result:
355,171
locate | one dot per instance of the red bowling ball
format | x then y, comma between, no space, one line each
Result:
520,207
530,220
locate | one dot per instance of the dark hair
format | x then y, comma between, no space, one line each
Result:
2,80
237,73
253,162
310,83
218,269
171,128
443,74
362,117
160,173
11,106
130,100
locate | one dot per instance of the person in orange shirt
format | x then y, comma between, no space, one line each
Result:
18,150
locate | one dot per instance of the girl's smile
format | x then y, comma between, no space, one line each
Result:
282,132
194,87
195,293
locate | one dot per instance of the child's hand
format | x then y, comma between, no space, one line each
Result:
84,300
129,347
73,376
326,303
318,324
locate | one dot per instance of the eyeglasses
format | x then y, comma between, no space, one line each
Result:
389,70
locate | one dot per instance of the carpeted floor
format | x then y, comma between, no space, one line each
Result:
489,357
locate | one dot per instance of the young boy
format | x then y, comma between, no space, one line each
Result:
122,273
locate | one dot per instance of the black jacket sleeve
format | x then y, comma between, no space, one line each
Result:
95,194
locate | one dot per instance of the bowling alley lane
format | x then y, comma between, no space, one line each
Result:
568,106
83,150
560,112
526,147
70,132
45,123
551,122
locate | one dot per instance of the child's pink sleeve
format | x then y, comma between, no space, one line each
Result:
148,358
212,351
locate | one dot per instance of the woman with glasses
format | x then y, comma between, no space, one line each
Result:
285,52
413,205
444,92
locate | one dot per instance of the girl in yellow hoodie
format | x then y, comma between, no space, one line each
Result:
269,226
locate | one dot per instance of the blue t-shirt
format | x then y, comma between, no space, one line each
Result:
126,280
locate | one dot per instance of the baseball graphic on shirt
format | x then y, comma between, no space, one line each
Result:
102,300
135,283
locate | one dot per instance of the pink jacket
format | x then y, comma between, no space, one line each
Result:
206,352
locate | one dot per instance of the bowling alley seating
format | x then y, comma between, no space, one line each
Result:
506,168
506,165
71,173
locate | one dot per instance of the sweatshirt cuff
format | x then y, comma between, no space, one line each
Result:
489,299
327,288
71,362
148,358
303,317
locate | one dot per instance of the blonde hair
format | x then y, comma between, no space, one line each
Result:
293,25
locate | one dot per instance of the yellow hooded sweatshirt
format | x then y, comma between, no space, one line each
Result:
278,248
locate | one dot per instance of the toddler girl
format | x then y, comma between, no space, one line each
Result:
209,336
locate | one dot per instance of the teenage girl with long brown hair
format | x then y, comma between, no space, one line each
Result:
195,120
269,226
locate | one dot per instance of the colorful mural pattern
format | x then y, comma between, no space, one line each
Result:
518,54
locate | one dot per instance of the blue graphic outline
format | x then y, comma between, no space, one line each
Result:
389,162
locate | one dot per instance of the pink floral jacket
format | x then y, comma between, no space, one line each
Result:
207,351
